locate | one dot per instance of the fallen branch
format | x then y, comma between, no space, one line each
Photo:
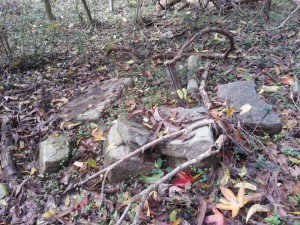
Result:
145,193
203,93
180,54
200,34
142,149
284,22
8,168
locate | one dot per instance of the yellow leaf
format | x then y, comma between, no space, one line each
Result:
98,135
147,125
247,186
48,213
256,208
180,94
21,144
229,111
268,89
294,160
225,178
3,202
243,171
295,213
67,201
93,125
32,170
232,202
69,124
245,108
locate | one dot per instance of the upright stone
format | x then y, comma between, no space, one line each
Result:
261,116
53,153
123,138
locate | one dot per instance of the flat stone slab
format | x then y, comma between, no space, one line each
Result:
90,105
53,153
261,116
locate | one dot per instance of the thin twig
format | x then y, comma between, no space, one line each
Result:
145,193
284,22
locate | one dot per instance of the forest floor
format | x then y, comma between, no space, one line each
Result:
53,62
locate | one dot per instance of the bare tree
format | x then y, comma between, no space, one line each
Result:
47,3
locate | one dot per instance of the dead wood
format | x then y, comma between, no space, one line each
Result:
292,13
125,49
8,168
199,35
142,196
203,93
181,53
266,9
140,150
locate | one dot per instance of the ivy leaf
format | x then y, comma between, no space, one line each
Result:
217,218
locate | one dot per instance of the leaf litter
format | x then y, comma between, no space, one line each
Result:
33,100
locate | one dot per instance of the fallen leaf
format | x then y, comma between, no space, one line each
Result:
294,160
229,112
49,213
288,79
268,89
32,170
245,108
247,186
256,208
67,201
217,218
243,171
91,163
184,180
98,135
81,165
232,202
130,62
151,179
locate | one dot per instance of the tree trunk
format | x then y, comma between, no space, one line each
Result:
51,17
88,12
111,5
266,9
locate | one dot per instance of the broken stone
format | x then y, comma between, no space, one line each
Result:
53,153
260,117
90,105
196,142
132,133
116,148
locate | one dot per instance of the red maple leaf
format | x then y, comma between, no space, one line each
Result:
83,203
217,218
184,179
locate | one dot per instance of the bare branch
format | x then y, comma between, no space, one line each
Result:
145,193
